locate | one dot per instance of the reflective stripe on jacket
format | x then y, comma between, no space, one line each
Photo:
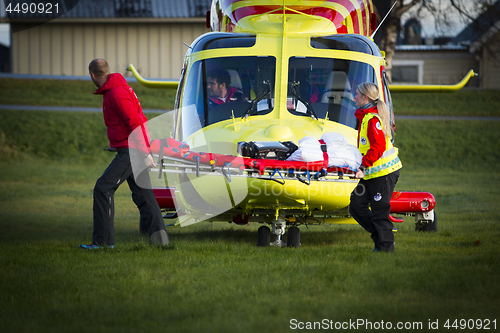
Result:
388,162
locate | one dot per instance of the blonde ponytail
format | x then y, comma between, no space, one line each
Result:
372,92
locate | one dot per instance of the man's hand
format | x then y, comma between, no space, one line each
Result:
149,161
361,172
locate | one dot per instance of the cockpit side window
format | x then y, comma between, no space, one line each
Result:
326,87
355,43
178,98
218,89
388,101
190,106
223,40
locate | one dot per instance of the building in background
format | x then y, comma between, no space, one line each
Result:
482,38
447,60
433,64
147,33
151,34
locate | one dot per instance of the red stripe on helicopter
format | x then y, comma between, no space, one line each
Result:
328,13
363,6
355,22
365,16
370,10
347,4
354,14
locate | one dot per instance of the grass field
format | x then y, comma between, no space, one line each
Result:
213,278
74,93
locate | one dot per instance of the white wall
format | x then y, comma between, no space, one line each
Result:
440,67
155,49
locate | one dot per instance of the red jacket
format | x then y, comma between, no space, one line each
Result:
123,114
375,136
229,97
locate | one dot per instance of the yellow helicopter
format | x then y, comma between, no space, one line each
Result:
289,71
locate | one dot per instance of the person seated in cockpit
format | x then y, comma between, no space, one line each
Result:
219,88
304,87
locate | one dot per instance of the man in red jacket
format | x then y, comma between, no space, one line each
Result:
128,134
219,89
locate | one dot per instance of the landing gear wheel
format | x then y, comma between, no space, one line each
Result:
293,239
430,226
263,236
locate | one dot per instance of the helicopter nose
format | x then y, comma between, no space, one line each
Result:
278,132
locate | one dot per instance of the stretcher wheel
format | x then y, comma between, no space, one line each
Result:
430,226
293,239
263,236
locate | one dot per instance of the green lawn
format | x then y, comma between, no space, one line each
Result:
74,93
213,278
76,136
466,102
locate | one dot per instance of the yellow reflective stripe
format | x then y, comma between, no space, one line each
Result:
386,165
385,171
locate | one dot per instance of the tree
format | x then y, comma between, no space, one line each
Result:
482,27
388,33
441,10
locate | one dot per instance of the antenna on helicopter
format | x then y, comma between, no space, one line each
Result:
390,10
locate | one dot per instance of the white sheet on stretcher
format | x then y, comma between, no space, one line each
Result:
340,153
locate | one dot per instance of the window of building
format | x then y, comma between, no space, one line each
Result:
407,72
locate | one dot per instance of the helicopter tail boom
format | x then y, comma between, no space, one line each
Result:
433,88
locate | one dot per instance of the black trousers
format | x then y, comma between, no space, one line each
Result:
376,193
118,171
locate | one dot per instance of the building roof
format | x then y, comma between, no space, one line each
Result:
96,9
471,38
446,47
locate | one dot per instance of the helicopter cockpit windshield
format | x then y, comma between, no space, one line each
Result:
326,87
218,89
